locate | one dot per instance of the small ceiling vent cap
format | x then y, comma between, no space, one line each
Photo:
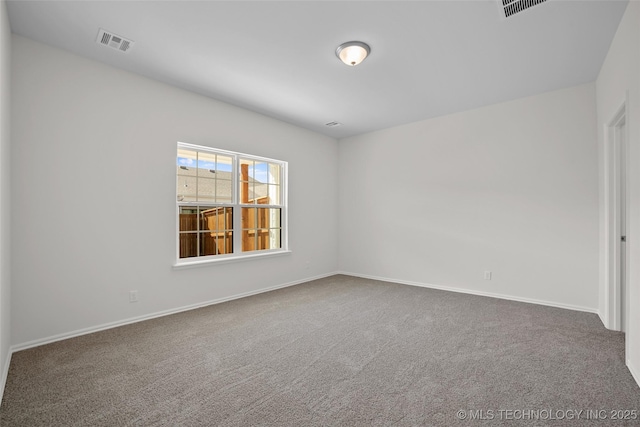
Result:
511,7
114,41
333,124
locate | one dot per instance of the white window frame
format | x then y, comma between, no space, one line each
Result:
237,206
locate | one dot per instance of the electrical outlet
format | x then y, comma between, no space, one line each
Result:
306,265
133,296
487,275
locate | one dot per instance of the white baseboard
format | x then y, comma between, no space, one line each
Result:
89,330
5,374
476,292
603,320
634,372
5,369
110,325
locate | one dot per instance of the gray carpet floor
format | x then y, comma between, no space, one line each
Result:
340,351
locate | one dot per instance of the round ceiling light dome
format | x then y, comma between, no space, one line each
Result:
353,53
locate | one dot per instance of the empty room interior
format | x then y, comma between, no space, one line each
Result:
308,213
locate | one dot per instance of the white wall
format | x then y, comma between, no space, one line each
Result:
94,199
619,76
511,188
5,189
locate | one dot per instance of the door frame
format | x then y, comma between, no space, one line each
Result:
612,288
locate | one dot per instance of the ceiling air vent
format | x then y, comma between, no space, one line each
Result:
333,124
113,41
511,7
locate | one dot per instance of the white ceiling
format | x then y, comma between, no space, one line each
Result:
428,58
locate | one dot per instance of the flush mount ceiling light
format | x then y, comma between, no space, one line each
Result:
353,53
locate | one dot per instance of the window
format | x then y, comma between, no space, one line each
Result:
229,204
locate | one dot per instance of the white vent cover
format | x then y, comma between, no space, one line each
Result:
107,38
511,7
333,124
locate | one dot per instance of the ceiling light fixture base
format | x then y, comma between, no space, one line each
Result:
353,53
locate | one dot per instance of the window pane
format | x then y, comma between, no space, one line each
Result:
187,158
209,219
254,176
260,229
262,220
260,194
215,231
224,190
274,238
186,173
186,190
248,240
246,169
223,175
268,238
260,183
208,244
206,189
224,164
262,239
274,195
224,235
188,219
260,172
216,218
244,181
248,218
225,242
244,192
225,219
272,217
218,238
274,173
212,244
206,165
188,245
228,219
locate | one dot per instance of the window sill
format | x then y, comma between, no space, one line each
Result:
202,263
